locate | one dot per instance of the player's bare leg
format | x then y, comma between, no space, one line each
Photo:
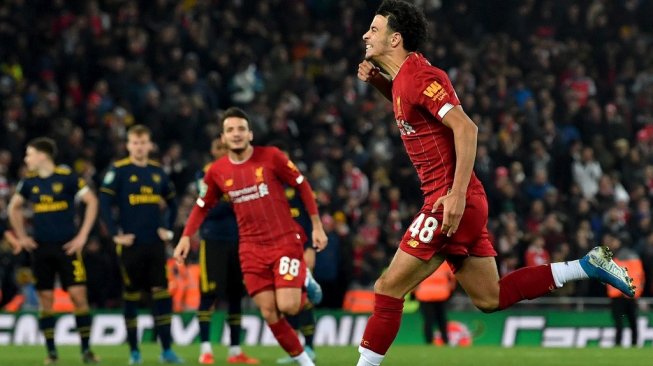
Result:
83,320
479,277
46,324
309,257
267,303
289,300
404,273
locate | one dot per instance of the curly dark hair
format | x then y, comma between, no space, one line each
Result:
406,19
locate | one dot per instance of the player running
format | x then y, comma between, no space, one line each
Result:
270,241
451,226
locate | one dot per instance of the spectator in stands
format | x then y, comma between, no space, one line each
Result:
587,172
623,306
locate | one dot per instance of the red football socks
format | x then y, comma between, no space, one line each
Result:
286,337
525,283
383,325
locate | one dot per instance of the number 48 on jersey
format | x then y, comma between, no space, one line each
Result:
423,228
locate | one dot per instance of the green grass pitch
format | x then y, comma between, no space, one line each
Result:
345,356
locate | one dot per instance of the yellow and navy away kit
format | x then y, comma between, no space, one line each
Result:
53,203
145,197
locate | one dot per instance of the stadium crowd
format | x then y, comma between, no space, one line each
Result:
562,94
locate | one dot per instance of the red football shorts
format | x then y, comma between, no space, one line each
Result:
268,266
424,237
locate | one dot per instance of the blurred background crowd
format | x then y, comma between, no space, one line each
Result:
562,93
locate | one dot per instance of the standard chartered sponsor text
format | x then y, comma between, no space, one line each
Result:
249,193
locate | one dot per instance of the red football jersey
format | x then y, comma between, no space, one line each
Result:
255,188
421,95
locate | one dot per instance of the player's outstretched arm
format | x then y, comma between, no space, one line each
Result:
369,73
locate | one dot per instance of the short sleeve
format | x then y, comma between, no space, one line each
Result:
435,92
77,185
199,179
81,183
110,182
210,192
23,189
285,169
